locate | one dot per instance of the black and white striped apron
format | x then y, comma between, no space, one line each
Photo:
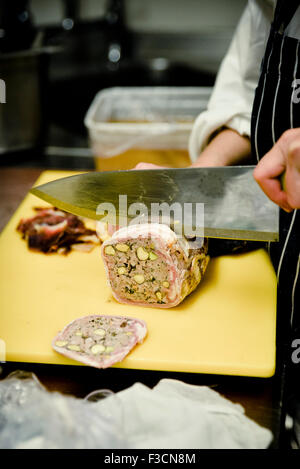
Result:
274,111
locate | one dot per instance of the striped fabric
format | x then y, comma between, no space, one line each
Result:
275,110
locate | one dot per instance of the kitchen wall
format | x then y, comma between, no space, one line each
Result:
174,43
153,15
194,31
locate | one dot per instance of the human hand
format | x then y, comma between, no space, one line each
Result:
282,160
148,166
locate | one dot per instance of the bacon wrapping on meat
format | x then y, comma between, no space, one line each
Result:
52,230
100,340
150,265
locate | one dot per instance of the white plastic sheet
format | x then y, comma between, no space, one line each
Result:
172,415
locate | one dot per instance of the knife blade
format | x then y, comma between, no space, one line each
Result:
233,205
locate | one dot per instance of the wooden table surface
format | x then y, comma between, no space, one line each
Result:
261,398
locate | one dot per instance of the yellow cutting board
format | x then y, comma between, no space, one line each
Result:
227,326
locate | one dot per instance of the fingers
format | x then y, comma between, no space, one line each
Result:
272,188
147,166
292,178
282,159
267,174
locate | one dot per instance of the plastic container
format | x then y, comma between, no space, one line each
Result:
149,124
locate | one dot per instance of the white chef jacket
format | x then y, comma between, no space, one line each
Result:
230,104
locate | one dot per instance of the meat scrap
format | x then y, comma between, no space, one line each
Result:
52,230
100,340
149,265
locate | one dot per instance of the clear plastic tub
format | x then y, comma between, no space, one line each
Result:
149,124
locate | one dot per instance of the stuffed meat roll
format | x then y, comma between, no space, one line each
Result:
150,265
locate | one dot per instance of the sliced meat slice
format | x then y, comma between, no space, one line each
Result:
149,265
52,230
98,340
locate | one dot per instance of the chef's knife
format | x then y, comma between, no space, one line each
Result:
234,205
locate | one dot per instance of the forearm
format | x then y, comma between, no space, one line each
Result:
228,148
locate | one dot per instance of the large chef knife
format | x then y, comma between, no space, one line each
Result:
234,205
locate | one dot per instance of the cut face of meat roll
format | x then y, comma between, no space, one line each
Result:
98,340
149,265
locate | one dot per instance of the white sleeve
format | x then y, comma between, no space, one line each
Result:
231,101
